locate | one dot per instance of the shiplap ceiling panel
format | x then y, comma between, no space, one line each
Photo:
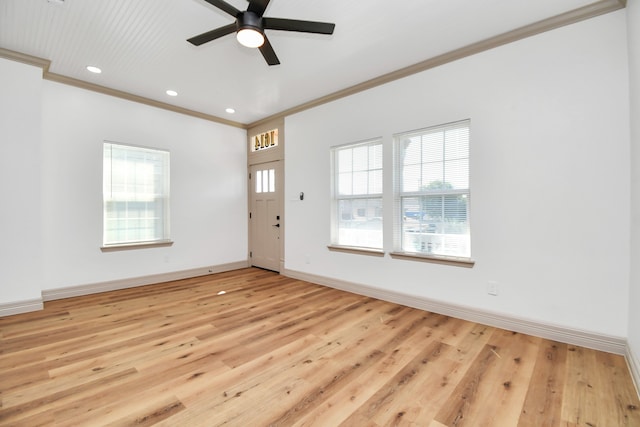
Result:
141,45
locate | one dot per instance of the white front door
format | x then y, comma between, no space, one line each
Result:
265,216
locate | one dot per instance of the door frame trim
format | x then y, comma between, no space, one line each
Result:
266,156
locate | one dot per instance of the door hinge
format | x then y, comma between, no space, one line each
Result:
249,215
250,254
249,175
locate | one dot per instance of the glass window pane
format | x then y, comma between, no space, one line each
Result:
432,175
265,181
259,182
375,181
360,222
411,178
345,160
411,150
457,173
433,147
457,143
345,184
360,158
272,180
360,182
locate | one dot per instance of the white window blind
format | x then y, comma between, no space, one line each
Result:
431,189
135,195
357,195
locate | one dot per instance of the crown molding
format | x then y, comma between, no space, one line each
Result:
25,59
47,75
586,12
139,99
583,13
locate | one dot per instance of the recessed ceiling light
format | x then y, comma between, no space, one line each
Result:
172,93
93,69
230,110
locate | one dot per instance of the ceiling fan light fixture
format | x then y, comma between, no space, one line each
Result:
250,37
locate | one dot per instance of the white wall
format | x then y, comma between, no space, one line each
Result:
549,177
633,25
208,187
51,187
20,165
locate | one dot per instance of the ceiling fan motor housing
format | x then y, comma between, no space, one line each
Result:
249,19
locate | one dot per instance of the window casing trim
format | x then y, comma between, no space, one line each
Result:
438,259
356,250
136,245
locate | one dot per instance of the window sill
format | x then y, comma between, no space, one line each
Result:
356,250
136,245
438,259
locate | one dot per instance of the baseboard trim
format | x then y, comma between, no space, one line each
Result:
610,344
19,307
94,288
634,367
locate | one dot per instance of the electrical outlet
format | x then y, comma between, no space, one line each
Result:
492,288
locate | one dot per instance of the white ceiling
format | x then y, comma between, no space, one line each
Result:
141,45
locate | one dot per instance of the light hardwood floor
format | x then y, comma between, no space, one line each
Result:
272,350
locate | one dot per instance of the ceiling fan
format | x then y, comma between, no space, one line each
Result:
250,25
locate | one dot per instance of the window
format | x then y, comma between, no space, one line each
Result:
266,181
431,190
135,195
357,195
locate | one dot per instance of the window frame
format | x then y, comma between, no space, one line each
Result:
161,238
337,197
399,195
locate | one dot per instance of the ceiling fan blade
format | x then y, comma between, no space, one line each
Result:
295,25
212,35
258,6
268,53
223,5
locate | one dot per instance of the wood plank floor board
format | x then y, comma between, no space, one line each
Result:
253,348
543,403
352,397
516,360
234,392
355,356
580,405
385,407
150,390
70,395
150,415
361,387
615,390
